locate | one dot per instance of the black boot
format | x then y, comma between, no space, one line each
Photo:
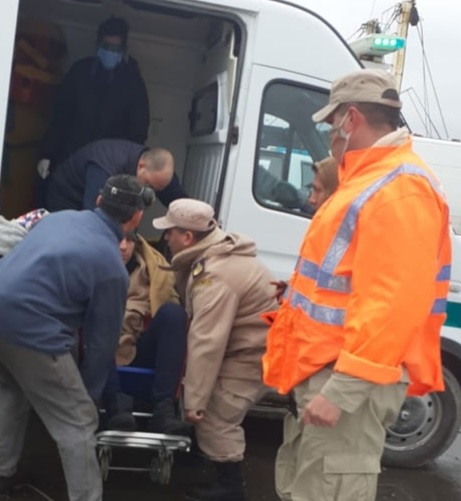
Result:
118,411
229,485
165,420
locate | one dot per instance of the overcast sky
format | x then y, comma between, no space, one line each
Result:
441,27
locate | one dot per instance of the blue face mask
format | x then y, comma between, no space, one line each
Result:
109,58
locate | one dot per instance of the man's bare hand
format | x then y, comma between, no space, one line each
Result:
280,288
321,412
194,416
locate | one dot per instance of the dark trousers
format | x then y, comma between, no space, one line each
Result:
162,347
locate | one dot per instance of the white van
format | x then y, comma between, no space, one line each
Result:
232,85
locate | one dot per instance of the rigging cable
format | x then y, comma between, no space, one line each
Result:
412,96
396,9
426,65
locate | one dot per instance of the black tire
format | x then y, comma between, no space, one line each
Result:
426,427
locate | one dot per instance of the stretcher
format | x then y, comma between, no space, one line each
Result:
159,448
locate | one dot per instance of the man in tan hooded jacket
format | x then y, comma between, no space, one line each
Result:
225,290
153,336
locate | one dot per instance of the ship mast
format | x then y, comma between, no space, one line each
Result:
408,15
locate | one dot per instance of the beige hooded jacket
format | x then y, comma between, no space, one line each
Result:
225,289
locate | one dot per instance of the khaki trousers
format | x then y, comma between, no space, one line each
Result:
340,463
220,434
53,387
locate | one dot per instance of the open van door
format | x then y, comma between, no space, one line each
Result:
271,184
8,19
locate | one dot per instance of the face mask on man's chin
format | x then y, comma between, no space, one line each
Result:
339,134
109,59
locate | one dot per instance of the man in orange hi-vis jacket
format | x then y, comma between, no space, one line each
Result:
359,324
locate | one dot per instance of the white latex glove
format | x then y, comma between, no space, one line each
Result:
43,168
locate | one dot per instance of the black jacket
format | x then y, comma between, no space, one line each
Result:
93,103
67,182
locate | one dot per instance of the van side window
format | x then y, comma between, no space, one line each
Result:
204,113
288,144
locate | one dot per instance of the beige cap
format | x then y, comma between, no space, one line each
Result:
188,214
362,86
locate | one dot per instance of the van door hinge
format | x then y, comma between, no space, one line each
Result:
235,135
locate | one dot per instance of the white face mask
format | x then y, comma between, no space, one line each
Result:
338,133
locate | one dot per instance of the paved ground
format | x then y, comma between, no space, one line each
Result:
440,481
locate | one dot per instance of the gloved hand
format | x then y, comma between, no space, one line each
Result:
43,168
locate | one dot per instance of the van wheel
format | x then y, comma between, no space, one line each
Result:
425,428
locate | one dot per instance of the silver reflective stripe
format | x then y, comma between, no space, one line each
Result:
336,283
324,280
308,269
439,306
344,236
324,314
444,273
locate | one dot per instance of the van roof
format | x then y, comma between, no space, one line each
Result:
248,5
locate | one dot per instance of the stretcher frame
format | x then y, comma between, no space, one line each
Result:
162,446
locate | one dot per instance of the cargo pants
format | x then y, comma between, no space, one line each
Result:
340,463
220,434
52,385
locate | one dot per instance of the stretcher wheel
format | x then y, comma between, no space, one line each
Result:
104,458
160,468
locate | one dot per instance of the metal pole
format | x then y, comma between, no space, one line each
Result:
402,31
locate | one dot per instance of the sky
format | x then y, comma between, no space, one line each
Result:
441,30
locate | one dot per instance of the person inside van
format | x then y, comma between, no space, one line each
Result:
102,96
76,182
153,336
325,181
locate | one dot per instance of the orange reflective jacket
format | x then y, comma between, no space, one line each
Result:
369,289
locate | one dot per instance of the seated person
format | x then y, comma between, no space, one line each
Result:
153,336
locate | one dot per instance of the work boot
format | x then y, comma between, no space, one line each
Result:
228,486
165,420
118,412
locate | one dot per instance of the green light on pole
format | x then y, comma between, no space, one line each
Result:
385,42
